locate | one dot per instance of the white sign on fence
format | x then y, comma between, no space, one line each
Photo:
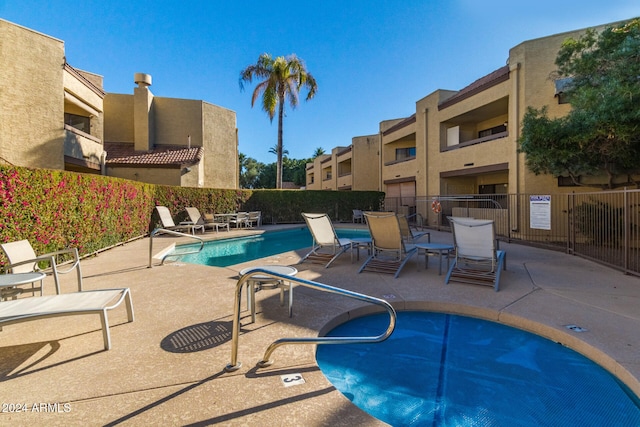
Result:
540,212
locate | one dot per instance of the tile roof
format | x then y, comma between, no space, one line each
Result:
124,154
498,76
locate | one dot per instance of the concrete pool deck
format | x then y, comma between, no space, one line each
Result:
167,367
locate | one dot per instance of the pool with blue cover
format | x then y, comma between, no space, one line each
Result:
448,370
226,252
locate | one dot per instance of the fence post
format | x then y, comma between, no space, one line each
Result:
627,227
570,221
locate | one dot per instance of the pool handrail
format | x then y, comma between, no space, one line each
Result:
175,233
235,365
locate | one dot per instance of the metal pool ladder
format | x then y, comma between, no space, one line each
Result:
235,365
168,254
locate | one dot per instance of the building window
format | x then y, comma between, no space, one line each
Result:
81,123
566,181
562,88
405,153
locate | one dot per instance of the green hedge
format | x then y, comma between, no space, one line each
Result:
56,210
286,206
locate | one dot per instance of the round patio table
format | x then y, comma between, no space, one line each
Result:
360,242
258,282
435,248
10,281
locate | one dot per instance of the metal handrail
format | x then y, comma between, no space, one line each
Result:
235,365
175,233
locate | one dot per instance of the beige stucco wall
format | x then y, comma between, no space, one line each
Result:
220,133
160,176
317,171
201,124
310,174
344,169
176,119
118,118
31,98
394,170
365,163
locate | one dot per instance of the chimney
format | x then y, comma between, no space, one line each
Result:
143,113
142,79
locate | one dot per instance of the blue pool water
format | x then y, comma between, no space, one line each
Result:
226,252
446,370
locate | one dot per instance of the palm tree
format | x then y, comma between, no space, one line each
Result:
274,150
283,79
319,152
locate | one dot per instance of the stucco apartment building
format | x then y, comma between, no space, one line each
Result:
354,168
465,141
55,116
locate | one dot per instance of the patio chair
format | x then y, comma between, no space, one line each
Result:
167,221
240,220
210,220
409,235
254,218
23,259
357,216
477,259
324,238
389,252
198,220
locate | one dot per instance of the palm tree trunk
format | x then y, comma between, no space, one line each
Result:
280,145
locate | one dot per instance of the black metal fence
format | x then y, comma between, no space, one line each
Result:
602,226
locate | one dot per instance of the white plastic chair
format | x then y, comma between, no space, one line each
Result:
23,259
477,259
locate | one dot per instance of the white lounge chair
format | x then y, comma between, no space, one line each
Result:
23,259
390,252
167,221
324,238
87,302
195,218
477,258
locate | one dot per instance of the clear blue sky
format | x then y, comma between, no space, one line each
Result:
372,59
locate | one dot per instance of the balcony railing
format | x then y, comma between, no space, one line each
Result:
476,141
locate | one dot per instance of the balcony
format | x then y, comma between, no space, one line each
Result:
486,123
82,149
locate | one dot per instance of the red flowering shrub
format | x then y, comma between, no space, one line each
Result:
56,210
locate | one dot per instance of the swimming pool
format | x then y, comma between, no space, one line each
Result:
439,369
226,252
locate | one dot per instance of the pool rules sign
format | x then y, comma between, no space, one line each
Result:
540,212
